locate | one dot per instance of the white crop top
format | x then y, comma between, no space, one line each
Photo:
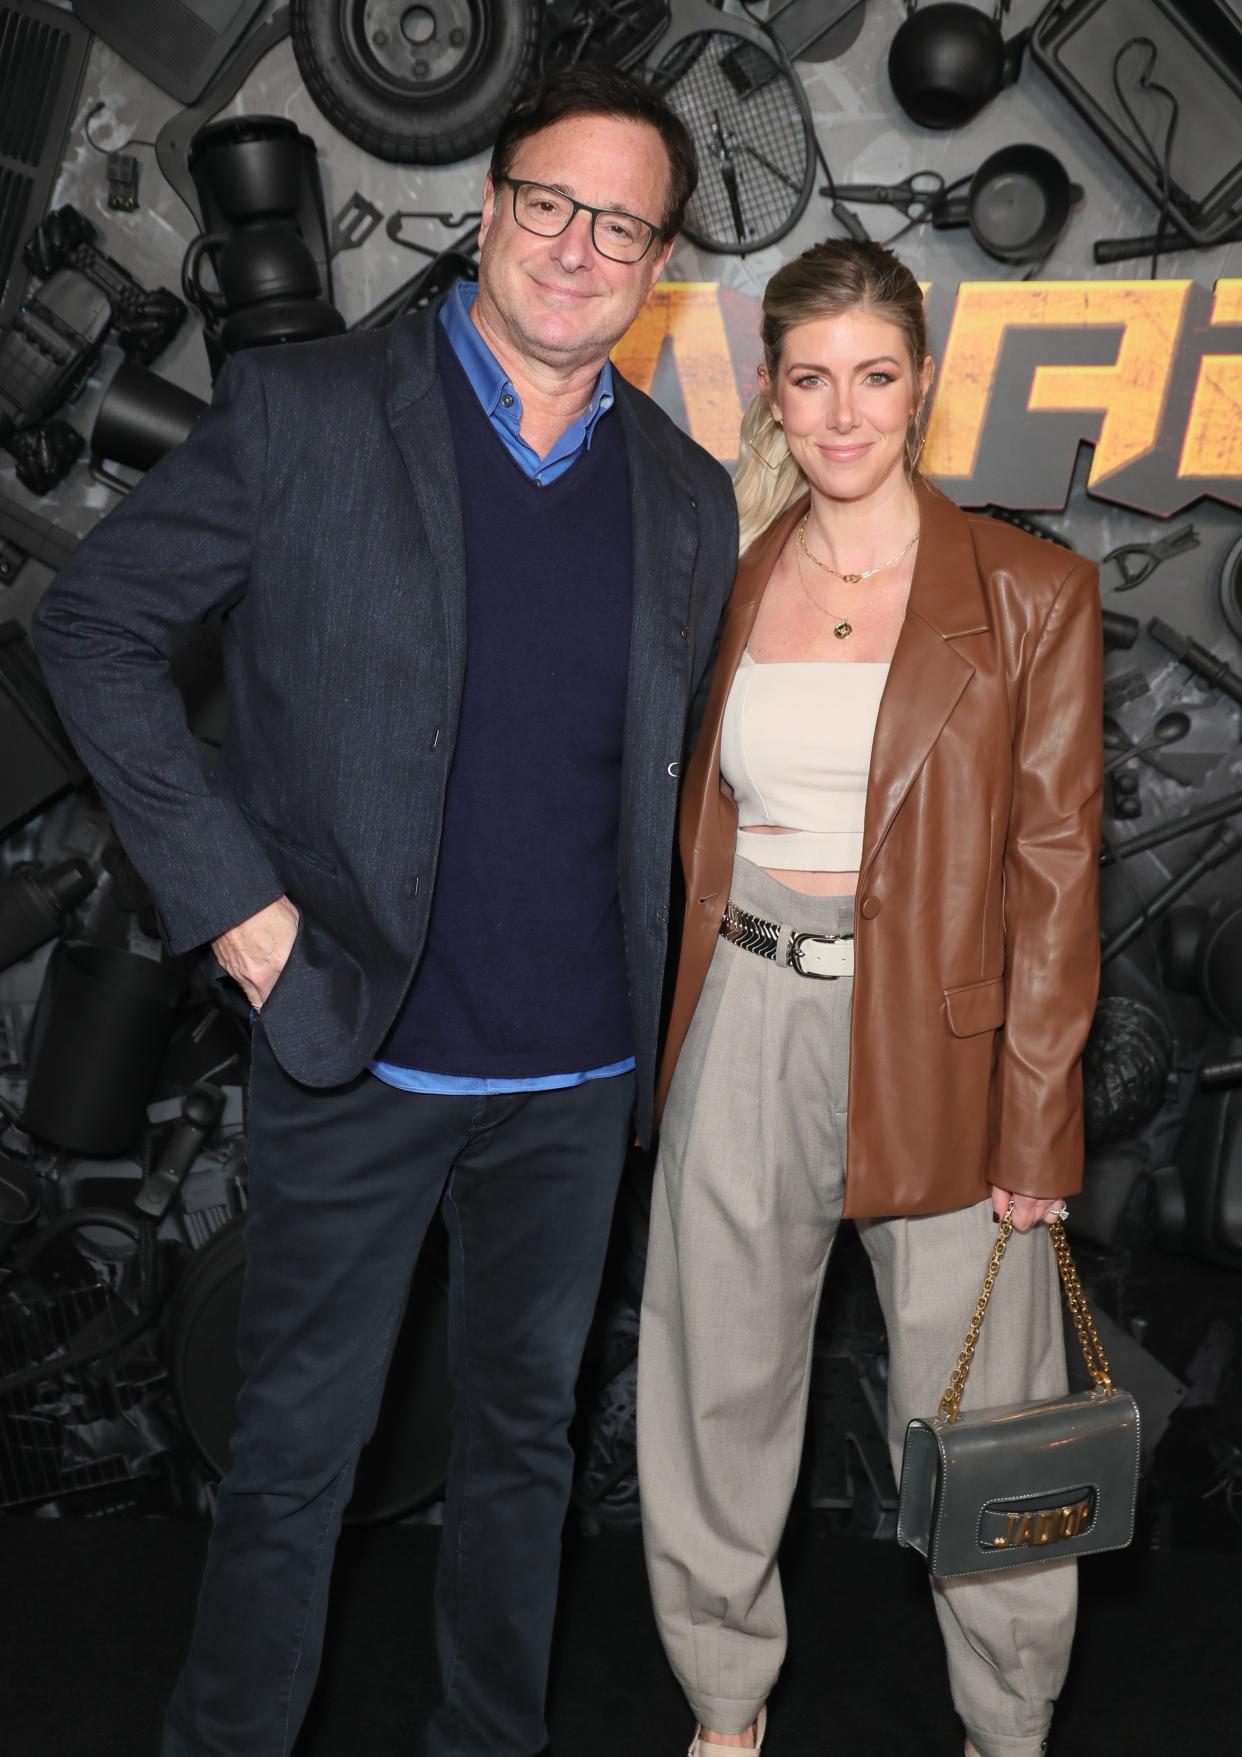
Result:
796,750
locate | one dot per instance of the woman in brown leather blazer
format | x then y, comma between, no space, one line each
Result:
884,1018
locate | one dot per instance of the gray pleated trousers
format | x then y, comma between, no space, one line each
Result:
748,1194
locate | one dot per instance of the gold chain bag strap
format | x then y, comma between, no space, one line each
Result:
1025,1482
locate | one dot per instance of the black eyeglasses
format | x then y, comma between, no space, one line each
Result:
620,236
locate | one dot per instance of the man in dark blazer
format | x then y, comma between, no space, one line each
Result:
470,581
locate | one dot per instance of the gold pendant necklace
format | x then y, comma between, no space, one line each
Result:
841,627
851,579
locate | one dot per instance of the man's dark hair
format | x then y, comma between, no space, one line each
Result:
602,91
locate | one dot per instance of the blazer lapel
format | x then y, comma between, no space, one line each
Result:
708,817
927,673
665,539
418,415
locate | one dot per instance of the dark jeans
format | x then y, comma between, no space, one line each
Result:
343,1183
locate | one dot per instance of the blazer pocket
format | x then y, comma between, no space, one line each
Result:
976,1006
310,855
294,952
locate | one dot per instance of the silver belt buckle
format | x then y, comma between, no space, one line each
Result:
831,955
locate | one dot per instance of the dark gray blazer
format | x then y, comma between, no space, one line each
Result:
316,506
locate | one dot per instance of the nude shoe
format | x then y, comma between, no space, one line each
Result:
700,1748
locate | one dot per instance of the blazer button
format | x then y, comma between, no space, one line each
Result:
870,907
674,770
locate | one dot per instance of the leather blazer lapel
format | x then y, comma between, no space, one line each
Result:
708,817
927,673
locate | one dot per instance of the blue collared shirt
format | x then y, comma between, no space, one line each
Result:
501,403
503,407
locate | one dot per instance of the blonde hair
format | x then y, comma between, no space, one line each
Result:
826,280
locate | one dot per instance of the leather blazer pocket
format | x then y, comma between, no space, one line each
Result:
975,1006
310,855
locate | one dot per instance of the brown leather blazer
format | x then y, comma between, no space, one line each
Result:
977,950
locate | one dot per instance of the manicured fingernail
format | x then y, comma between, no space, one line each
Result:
996,1217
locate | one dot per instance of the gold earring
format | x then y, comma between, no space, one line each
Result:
767,462
913,453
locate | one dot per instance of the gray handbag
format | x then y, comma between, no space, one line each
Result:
1027,1482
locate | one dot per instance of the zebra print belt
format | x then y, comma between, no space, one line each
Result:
822,955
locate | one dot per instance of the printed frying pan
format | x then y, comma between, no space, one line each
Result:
1018,203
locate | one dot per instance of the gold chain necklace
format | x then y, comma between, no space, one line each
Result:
842,626
851,579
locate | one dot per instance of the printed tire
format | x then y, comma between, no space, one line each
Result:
357,59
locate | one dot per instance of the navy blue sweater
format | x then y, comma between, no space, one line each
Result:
524,968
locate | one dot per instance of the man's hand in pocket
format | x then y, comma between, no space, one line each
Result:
255,951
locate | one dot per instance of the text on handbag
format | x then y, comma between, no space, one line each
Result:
1038,1526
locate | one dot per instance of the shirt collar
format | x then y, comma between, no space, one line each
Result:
487,376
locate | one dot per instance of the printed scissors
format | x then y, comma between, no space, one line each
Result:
915,196
1137,561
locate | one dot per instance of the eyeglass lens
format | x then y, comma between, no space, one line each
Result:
618,235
